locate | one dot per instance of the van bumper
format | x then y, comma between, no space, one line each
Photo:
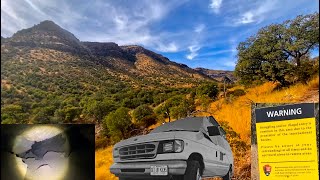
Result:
142,169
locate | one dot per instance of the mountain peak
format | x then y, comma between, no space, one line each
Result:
47,25
44,26
49,35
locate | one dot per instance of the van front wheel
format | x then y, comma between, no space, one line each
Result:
193,171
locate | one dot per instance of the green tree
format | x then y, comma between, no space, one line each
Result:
99,108
144,115
211,90
176,107
43,114
277,50
299,36
67,114
185,108
260,60
118,122
71,113
162,111
12,114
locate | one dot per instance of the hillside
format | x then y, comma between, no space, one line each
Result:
47,74
132,61
237,113
218,75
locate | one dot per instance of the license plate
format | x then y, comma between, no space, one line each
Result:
159,170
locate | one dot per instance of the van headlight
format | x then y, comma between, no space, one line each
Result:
170,146
115,153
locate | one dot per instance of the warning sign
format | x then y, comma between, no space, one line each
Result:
286,141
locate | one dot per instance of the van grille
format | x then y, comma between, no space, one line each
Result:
138,151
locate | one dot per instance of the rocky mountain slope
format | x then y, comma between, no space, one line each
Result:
49,76
218,75
48,39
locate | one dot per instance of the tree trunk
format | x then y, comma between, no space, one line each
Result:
298,61
282,81
224,88
123,135
168,113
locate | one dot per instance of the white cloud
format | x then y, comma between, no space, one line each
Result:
121,22
215,5
246,18
103,21
199,28
10,20
230,63
21,14
257,13
171,47
213,53
35,7
193,51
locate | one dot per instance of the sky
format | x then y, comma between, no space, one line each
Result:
197,33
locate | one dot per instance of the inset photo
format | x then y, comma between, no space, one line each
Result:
50,152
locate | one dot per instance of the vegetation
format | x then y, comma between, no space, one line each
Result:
235,119
118,123
175,107
144,116
280,52
210,90
49,76
45,85
57,87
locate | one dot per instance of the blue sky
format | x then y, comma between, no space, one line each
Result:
198,33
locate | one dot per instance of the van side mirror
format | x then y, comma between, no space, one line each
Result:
213,130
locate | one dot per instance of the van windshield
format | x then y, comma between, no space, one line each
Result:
193,124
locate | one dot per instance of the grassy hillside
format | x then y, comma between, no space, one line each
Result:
237,112
49,76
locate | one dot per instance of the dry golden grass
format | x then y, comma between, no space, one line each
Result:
103,163
238,111
314,83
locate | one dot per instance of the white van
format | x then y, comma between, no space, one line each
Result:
186,149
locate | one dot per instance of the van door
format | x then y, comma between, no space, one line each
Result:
211,156
218,136
214,156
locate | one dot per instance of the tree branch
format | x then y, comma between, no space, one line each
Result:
309,47
289,53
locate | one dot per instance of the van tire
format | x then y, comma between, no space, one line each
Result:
193,171
228,175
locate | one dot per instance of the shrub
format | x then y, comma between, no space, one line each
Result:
236,92
144,115
211,90
118,123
